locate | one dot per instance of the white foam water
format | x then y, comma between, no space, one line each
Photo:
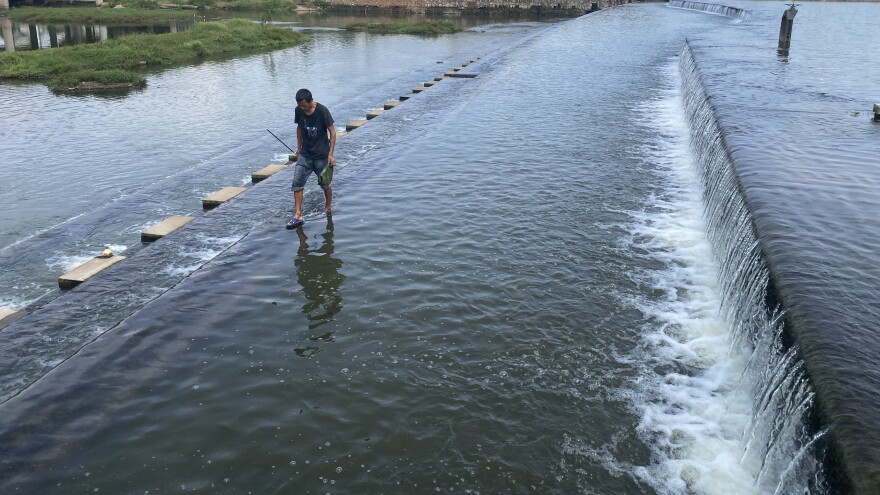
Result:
693,399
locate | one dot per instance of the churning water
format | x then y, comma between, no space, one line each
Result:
526,286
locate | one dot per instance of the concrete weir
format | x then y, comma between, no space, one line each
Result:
464,75
391,104
222,196
404,97
267,171
429,84
354,124
86,271
419,89
165,227
372,114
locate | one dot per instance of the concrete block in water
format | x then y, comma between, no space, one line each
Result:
464,75
222,196
449,73
7,316
391,104
86,271
404,97
419,89
456,69
165,227
372,114
429,84
876,112
439,78
354,124
267,171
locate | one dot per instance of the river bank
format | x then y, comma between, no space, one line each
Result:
117,64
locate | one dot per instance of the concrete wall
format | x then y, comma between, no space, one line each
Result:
4,4
475,5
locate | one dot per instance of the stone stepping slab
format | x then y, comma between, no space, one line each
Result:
267,171
165,227
222,196
87,270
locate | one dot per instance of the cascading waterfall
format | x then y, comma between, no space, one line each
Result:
711,8
781,437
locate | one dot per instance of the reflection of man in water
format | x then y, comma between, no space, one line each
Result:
318,272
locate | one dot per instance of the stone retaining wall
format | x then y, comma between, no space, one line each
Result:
466,6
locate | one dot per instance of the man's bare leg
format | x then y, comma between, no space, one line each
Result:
328,198
297,204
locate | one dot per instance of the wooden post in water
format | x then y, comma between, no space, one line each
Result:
6,30
785,29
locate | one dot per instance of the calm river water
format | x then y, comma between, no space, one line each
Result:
515,294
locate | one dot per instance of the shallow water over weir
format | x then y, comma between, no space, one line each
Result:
516,294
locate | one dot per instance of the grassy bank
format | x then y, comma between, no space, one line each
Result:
436,27
94,15
116,63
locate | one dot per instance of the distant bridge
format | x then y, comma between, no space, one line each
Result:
4,4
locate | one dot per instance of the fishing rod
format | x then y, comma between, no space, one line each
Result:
280,141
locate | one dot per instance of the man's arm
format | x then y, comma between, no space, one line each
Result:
330,159
299,140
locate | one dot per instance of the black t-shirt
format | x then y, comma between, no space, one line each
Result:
315,140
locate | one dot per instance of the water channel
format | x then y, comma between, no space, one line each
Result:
516,293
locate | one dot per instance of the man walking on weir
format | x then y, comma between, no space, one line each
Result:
315,141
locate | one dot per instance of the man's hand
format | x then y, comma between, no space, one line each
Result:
330,160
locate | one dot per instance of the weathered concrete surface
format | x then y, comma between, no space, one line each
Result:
391,104
6,32
372,114
448,73
404,97
267,171
7,316
4,4
86,271
222,196
429,83
439,78
165,227
419,89
354,124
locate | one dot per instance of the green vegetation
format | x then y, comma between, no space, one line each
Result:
436,27
116,63
62,15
